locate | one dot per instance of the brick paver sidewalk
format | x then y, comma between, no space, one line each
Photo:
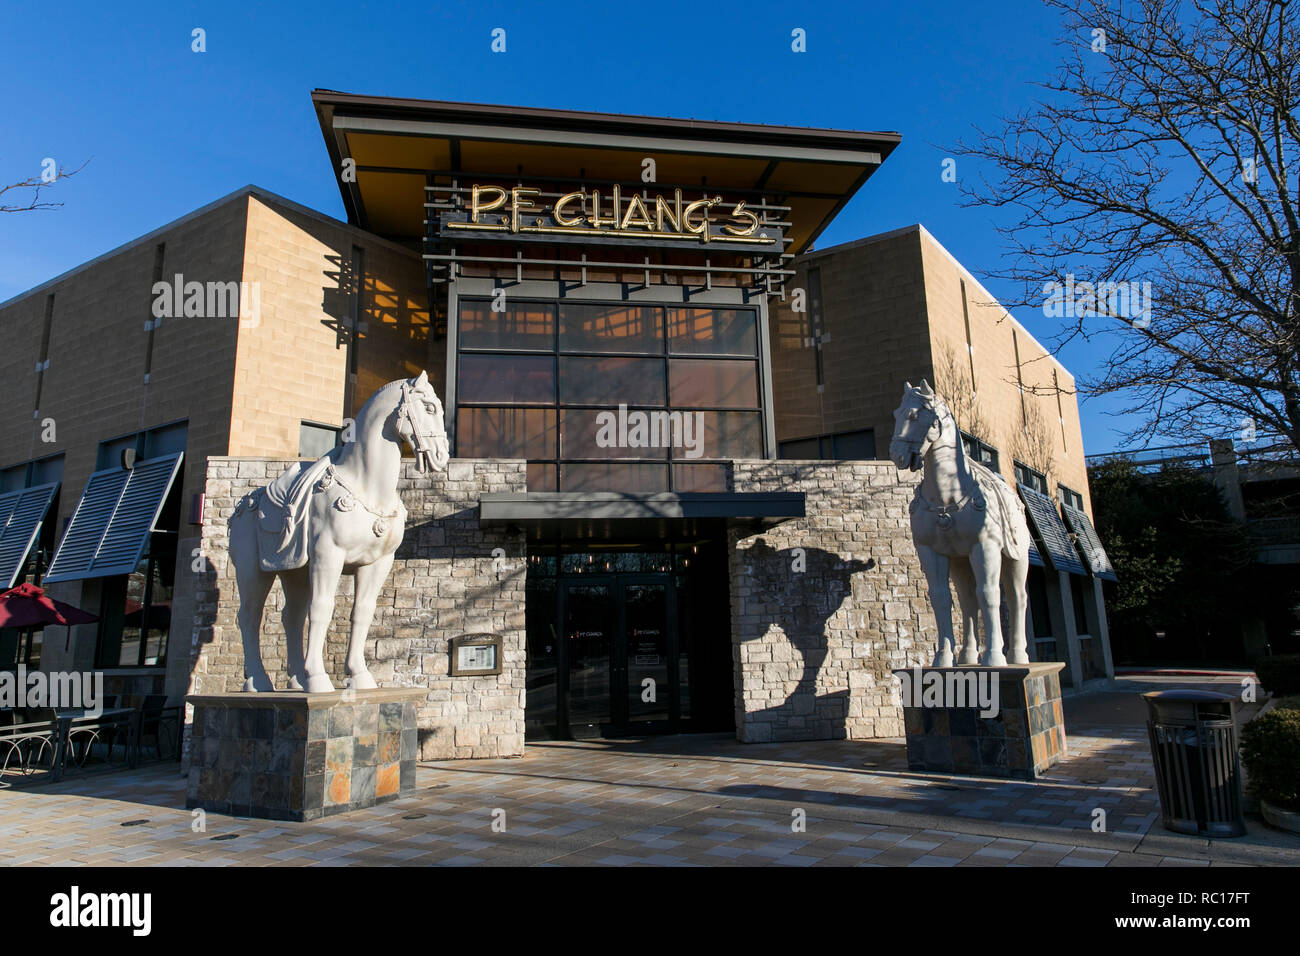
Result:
691,800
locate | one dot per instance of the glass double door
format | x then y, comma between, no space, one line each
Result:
620,655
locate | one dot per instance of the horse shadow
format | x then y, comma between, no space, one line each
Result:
799,590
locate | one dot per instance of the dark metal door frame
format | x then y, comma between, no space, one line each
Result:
618,677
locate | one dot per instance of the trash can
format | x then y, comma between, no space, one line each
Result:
1198,771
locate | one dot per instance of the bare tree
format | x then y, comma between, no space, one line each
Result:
1160,160
22,201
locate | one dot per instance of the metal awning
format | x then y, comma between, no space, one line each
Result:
588,513
1089,544
110,528
396,144
21,515
1046,522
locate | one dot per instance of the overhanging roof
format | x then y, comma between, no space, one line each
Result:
616,511
396,141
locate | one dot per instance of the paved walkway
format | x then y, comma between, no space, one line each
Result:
691,800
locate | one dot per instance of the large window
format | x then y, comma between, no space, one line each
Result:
1033,480
601,397
843,446
135,609
982,452
23,646
1070,498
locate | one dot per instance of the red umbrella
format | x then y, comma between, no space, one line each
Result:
28,606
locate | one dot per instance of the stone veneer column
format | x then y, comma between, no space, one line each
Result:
445,581
825,608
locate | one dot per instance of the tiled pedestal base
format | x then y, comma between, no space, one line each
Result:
1022,739
297,756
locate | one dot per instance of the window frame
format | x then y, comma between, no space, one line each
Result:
967,439
1041,485
664,355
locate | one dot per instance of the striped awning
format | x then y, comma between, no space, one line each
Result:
21,515
1085,536
110,528
1053,537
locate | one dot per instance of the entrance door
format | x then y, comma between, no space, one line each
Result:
589,625
620,643
649,678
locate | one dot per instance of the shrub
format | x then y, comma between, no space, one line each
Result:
1280,674
1270,749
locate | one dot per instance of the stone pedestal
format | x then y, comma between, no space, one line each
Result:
297,756
984,721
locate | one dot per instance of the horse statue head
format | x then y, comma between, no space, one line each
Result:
418,421
918,426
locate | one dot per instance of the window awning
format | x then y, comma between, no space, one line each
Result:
21,515
110,528
1046,521
1085,536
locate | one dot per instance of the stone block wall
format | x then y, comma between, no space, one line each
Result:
825,607
446,581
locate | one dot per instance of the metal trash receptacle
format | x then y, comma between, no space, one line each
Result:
1198,770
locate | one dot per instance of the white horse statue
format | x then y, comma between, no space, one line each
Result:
967,524
319,520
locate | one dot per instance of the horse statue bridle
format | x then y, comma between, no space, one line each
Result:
914,444
424,446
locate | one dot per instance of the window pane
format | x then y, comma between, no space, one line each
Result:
611,381
611,328
110,452
855,446
703,383
505,433
507,379
156,622
596,433
165,441
713,331
541,476
637,477
805,449
688,478
316,440
723,435
134,619
48,470
522,326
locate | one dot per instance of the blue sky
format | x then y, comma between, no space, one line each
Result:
168,130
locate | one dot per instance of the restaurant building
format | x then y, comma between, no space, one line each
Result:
665,409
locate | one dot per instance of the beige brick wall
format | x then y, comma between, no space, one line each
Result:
893,312
995,336
875,314
242,389
293,366
95,388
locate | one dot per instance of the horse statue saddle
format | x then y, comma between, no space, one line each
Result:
282,516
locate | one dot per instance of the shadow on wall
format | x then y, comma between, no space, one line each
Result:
800,590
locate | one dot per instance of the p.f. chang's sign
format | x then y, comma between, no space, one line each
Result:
588,216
